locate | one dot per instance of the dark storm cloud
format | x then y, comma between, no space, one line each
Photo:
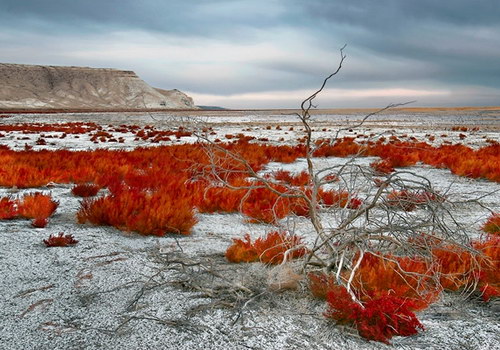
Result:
461,38
225,47
221,18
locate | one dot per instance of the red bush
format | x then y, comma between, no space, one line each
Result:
270,249
301,179
145,213
60,240
8,208
342,199
488,276
264,205
85,190
40,222
492,225
37,206
219,198
378,319
404,200
400,276
382,166
242,250
320,284
459,268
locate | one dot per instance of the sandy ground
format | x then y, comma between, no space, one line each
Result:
116,290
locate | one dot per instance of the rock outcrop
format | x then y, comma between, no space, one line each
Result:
56,87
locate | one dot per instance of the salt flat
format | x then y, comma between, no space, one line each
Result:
117,290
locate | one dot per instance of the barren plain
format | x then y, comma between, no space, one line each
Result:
120,290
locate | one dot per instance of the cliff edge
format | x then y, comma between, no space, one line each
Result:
57,87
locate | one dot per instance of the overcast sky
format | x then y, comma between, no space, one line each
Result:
272,53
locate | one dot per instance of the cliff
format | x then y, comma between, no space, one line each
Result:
56,87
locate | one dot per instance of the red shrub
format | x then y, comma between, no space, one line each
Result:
85,190
147,214
378,319
459,268
40,222
404,200
382,166
263,205
320,284
36,206
403,277
488,276
492,225
219,199
301,179
342,148
275,245
242,251
269,250
8,208
342,199
60,240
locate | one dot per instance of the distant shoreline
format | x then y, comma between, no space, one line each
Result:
416,110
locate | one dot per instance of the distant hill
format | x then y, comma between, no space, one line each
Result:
212,108
57,87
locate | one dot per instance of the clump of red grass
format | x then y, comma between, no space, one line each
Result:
402,276
459,268
404,200
270,249
378,319
40,222
382,166
263,205
211,199
342,199
156,213
301,179
408,200
36,206
390,288
492,225
8,208
85,190
60,240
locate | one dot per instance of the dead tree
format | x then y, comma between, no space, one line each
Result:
383,225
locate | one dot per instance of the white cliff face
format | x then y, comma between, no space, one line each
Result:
30,86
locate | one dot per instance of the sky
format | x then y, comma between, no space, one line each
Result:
273,53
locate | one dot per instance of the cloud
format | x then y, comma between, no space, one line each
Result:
230,49
328,97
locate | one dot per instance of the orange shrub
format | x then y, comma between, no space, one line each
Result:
270,249
320,284
341,148
403,277
40,222
37,206
492,225
242,250
378,319
459,268
219,199
85,190
342,199
8,208
301,179
60,240
404,200
382,166
263,205
145,213
488,274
